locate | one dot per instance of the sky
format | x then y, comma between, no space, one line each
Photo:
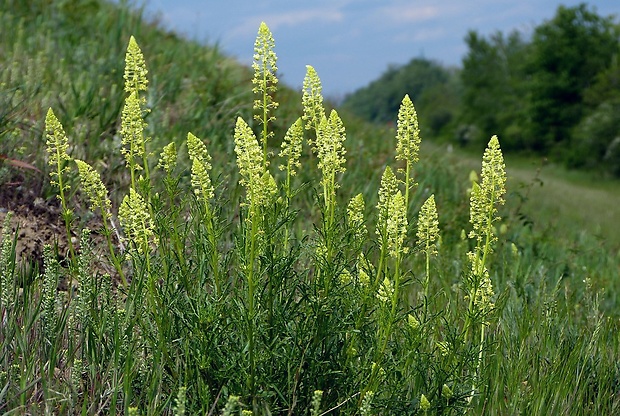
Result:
350,43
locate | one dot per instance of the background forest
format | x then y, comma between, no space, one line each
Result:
555,93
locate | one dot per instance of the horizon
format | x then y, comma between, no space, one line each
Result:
353,42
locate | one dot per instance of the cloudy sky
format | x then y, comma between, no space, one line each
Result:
352,42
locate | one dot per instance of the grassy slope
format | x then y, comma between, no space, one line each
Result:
569,204
196,89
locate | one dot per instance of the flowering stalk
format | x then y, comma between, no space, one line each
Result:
135,69
132,133
260,189
57,146
291,150
137,223
203,188
428,233
355,220
484,200
408,142
132,118
7,267
98,197
265,83
393,220
387,190
312,100
330,151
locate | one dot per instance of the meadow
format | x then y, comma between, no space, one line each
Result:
225,245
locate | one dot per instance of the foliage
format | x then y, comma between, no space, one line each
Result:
493,90
241,288
552,93
546,95
428,84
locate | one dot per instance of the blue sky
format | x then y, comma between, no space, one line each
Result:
352,42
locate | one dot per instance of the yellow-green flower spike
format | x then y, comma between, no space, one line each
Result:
413,322
260,185
135,69
408,132
136,221
249,155
482,294
386,290
198,150
132,133
366,406
312,100
488,195
317,396
355,218
424,403
57,146
291,147
269,188
201,182
387,190
396,228
200,157
428,227
362,266
168,158
330,149
6,278
408,142
494,171
264,82
231,405
94,188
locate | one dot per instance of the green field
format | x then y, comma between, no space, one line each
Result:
176,243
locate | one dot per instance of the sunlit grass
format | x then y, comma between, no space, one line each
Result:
240,287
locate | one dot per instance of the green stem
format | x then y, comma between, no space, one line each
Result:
251,289
108,236
66,214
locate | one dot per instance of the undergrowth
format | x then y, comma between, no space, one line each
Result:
311,279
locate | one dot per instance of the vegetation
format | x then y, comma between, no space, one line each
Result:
286,265
433,88
553,94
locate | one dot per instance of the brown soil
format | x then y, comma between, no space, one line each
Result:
39,222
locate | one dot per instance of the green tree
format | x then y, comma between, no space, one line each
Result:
432,88
568,52
493,89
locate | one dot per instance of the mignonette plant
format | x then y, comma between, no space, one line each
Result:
227,299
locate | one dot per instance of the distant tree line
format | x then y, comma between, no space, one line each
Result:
556,93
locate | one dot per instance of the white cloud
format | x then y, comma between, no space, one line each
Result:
411,13
421,35
286,19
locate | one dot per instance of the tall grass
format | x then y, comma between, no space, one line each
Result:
334,285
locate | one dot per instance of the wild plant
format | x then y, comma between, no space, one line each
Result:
484,201
57,146
241,298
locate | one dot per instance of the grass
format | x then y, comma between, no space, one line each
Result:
569,204
234,287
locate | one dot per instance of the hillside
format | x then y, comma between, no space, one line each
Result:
184,235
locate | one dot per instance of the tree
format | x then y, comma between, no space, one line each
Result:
426,82
493,87
567,54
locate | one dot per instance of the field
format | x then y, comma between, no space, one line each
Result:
183,235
